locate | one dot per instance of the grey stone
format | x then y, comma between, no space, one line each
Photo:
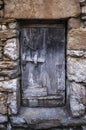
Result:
84,10
12,103
18,122
10,85
11,49
9,127
0,27
2,127
85,54
84,127
4,27
41,118
77,99
82,2
3,119
1,78
83,24
76,69
1,55
83,17
37,115
76,53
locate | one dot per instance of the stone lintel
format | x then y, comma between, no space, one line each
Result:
40,9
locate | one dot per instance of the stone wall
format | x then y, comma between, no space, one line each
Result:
74,12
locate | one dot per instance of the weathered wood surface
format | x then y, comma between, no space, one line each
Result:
43,62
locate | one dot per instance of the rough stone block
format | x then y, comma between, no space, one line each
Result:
13,25
41,8
1,13
3,119
77,39
10,85
8,65
6,34
84,10
12,103
11,49
84,127
3,103
18,122
10,73
74,23
1,78
75,53
76,69
77,99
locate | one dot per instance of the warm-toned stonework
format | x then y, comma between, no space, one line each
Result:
46,9
72,114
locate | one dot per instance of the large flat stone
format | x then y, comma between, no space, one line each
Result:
38,115
77,39
41,8
45,118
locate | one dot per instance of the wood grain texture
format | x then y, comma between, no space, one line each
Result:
43,63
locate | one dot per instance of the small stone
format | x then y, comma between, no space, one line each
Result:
76,69
12,103
4,27
84,127
9,127
18,122
10,85
3,103
7,34
83,24
74,23
12,25
83,17
3,119
10,73
1,78
85,54
1,55
11,49
77,99
2,127
8,64
84,10
75,53
0,27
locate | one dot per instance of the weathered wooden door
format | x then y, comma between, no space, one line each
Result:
43,65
